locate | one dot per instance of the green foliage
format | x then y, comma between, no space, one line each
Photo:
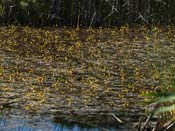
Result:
24,4
166,98
166,108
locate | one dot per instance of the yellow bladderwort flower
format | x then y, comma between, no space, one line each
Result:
40,79
78,44
147,38
69,101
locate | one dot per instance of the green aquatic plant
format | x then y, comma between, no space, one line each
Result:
167,101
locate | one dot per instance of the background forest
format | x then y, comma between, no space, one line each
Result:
86,12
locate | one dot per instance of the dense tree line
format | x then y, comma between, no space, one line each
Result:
87,12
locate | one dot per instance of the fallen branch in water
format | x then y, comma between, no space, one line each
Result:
155,127
147,121
120,121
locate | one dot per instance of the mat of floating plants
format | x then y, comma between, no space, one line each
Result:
85,75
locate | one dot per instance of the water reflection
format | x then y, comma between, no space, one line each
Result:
12,124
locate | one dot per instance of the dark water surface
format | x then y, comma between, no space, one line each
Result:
60,79
39,125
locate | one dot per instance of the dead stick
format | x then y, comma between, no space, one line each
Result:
172,124
166,125
147,121
139,124
157,126
120,121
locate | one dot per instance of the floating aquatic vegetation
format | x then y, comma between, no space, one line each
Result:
87,70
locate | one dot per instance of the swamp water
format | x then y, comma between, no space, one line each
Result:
63,79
